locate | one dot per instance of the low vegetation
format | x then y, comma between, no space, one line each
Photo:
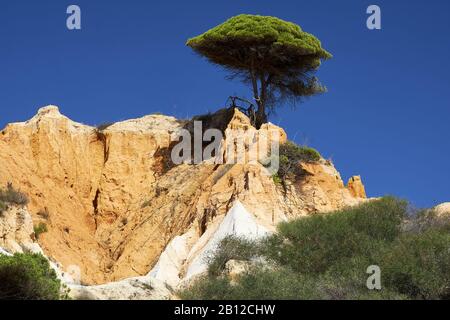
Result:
40,229
231,248
146,204
44,214
326,257
28,277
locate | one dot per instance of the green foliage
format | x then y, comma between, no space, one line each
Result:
13,196
207,287
257,284
40,229
326,257
312,245
297,153
417,265
248,31
276,179
231,248
27,277
276,58
290,157
281,283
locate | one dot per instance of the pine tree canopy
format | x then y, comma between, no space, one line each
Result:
275,57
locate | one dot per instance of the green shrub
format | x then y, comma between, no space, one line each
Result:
231,248
146,204
313,244
13,196
299,153
207,287
27,277
257,284
290,156
40,229
276,179
418,265
346,280
277,284
282,283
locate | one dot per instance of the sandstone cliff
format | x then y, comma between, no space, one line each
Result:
114,201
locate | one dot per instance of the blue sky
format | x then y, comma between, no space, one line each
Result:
385,117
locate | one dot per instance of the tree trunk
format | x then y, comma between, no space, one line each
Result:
259,95
261,116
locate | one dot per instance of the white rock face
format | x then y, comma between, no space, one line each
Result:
150,123
237,222
188,256
16,230
51,114
171,261
443,209
4,252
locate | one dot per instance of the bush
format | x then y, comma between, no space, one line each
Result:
40,229
300,153
146,203
313,244
13,196
276,179
290,156
278,284
231,248
257,284
417,265
326,257
27,277
207,287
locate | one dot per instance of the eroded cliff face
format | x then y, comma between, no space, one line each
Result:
115,201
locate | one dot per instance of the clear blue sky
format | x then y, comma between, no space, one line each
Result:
386,115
